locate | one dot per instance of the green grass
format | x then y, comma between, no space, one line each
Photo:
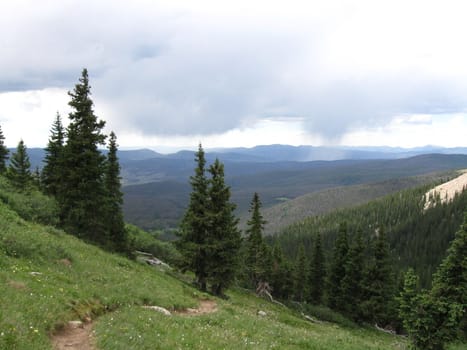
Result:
235,326
48,278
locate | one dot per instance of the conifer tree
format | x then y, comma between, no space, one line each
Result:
256,252
408,300
224,239
300,274
437,317
3,153
81,198
195,225
317,273
53,168
280,277
450,280
337,270
114,199
352,283
19,172
379,284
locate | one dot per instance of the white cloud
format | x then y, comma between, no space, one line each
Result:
182,70
28,115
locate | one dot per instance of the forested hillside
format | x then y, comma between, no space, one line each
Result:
295,210
417,238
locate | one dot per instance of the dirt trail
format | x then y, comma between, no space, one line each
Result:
79,337
448,190
74,338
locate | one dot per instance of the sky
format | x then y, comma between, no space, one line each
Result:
167,75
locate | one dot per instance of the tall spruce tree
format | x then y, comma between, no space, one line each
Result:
224,238
317,272
114,199
53,161
352,283
3,152
337,270
379,284
300,275
19,172
281,278
256,252
195,224
82,197
437,317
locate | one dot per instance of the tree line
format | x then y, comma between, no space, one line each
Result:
84,182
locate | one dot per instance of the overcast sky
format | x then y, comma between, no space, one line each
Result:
168,74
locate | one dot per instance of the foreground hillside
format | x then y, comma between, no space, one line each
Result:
48,278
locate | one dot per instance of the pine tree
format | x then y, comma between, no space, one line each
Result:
255,248
408,300
435,318
352,283
280,277
81,198
379,295
317,273
337,270
114,199
195,225
3,153
53,168
300,274
19,172
224,239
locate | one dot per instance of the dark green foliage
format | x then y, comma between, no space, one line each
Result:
224,238
82,196
195,225
450,281
436,317
317,273
300,275
256,261
434,322
209,239
337,270
352,284
53,160
3,152
379,285
114,199
417,238
408,299
281,277
19,172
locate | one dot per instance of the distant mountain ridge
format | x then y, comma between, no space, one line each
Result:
275,153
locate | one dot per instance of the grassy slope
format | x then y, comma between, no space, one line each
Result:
40,291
